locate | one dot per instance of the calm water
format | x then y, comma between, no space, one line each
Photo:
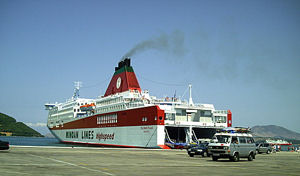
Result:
32,141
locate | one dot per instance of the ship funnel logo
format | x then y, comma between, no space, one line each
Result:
119,80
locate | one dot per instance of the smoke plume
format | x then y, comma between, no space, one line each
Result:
173,44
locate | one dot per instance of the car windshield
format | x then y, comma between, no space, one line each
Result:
223,139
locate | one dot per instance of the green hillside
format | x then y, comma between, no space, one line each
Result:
9,124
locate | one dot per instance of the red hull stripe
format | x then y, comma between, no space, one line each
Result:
133,117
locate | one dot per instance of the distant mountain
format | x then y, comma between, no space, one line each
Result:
10,125
39,127
274,132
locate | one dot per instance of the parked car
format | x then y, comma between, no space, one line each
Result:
4,145
199,149
233,146
264,148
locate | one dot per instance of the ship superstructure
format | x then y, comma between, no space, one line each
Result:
126,116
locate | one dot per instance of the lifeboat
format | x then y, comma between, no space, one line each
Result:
87,107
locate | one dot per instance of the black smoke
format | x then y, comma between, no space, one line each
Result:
171,44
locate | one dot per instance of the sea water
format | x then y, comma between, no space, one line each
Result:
32,141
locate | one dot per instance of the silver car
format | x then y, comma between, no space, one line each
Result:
264,148
233,146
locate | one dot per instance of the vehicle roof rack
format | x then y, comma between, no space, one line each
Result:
234,130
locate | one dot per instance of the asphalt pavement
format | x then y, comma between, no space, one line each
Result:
123,161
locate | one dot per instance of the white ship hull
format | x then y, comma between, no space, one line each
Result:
152,136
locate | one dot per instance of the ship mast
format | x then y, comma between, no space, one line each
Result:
190,98
77,85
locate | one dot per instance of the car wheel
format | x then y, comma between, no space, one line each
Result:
250,157
235,157
215,158
191,155
268,151
208,155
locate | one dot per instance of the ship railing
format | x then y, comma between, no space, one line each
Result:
177,100
134,105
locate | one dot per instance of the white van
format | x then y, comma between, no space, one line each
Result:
233,146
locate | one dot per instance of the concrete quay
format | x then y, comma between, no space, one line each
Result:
121,161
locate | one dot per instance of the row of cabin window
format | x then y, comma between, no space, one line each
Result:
67,115
145,119
78,104
116,107
221,111
201,113
55,111
111,118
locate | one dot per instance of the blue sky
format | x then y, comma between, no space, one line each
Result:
238,55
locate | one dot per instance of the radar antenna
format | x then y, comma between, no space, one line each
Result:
77,85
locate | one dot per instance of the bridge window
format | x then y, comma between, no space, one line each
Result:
181,112
205,113
220,119
169,116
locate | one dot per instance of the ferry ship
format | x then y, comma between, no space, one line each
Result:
126,116
278,142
